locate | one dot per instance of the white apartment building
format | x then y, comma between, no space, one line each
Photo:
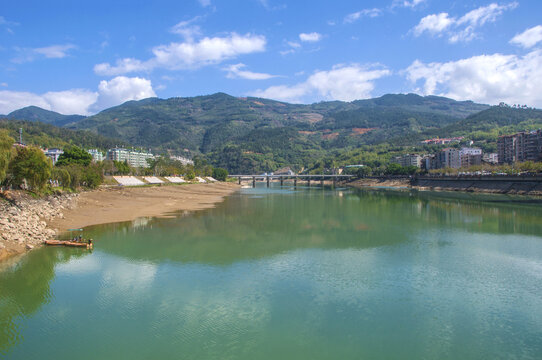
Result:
133,158
97,155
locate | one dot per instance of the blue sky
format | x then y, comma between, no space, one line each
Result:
82,57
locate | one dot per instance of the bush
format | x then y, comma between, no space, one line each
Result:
220,174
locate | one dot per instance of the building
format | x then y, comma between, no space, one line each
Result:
97,155
133,158
470,157
491,158
183,160
522,146
408,160
429,162
449,158
284,171
53,154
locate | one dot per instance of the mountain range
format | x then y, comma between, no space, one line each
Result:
254,134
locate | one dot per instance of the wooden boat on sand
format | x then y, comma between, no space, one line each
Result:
86,245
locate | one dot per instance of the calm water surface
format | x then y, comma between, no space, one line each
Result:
290,274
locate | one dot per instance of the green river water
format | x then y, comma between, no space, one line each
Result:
286,273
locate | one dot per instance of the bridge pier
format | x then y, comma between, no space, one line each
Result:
281,181
334,181
254,181
267,181
295,182
239,180
309,182
322,182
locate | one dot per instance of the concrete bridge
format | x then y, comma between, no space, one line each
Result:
295,178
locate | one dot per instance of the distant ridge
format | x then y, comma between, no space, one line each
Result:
34,113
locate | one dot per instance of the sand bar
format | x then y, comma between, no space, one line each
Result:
118,204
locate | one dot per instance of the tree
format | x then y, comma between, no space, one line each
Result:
6,143
220,174
62,176
74,155
30,164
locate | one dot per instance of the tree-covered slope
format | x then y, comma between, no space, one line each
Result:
208,123
47,135
34,113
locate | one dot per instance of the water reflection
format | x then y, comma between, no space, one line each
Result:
261,223
294,274
25,287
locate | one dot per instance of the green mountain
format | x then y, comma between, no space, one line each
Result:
268,133
34,113
253,134
50,136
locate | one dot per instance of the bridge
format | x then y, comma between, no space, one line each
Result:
295,178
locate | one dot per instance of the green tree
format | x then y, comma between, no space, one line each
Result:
62,176
74,155
30,164
220,174
6,143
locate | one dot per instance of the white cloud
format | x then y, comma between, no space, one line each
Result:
342,82
49,52
205,3
310,37
406,3
55,51
121,89
529,37
234,71
433,24
463,28
187,29
80,101
485,78
189,54
75,101
122,66
350,18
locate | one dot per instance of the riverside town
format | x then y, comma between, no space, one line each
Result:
210,179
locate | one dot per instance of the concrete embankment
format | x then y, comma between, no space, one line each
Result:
488,184
23,220
520,185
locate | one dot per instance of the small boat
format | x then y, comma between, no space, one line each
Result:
86,245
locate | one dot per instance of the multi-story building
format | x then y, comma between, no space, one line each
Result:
429,162
491,158
97,155
53,154
133,158
408,160
183,160
522,146
449,158
470,157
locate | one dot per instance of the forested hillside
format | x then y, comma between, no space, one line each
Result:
34,113
47,135
257,135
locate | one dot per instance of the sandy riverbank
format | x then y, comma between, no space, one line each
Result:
116,204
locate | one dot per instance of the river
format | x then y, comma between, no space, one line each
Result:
284,273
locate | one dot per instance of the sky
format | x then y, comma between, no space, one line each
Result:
80,57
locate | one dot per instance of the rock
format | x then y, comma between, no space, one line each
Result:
29,247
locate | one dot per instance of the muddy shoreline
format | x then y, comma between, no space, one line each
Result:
26,222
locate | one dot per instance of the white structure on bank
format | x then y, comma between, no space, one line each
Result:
97,155
133,158
53,154
183,160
